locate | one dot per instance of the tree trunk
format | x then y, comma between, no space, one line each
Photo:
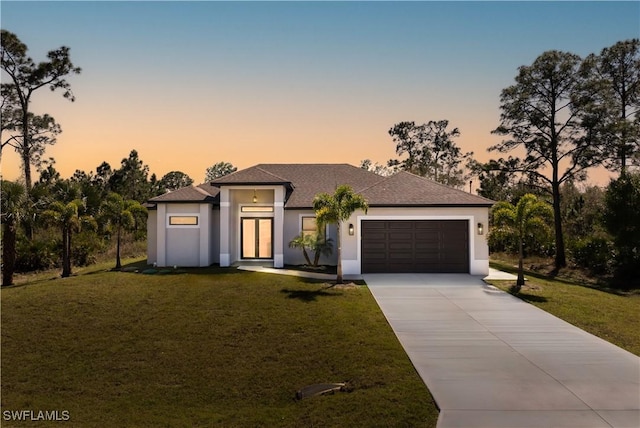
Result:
8,252
306,256
520,281
65,253
339,268
69,252
118,264
560,259
26,147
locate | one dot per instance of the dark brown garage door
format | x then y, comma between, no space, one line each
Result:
420,246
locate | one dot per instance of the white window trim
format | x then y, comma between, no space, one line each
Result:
183,226
265,214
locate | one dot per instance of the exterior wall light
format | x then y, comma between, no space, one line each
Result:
480,229
351,229
255,197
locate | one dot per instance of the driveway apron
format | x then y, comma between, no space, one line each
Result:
492,360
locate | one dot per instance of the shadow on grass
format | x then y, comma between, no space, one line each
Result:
530,297
307,295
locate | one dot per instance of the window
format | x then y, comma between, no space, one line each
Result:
183,220
256,209
309,226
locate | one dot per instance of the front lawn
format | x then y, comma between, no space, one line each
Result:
215,347
609,314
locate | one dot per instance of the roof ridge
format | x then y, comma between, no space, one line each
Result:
270,173
198,189
382,178
444,185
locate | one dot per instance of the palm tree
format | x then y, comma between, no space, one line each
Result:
321,246
318,243
302,241
336,208
120,213
67,218
13,200
530,217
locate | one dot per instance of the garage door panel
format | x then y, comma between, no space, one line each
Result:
415,246
392,225
400,246
375,245
400,236
374,235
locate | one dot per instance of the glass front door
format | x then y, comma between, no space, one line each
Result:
257,238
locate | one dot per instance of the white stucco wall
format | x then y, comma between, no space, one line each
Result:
214,237
292,228
478,250
181,245
152,234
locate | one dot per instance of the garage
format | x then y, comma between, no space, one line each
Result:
415,246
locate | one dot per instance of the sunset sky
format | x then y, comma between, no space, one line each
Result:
189,84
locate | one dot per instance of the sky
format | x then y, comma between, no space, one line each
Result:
189,84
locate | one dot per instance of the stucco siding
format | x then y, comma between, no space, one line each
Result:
152,237
214,237
292,228
183,247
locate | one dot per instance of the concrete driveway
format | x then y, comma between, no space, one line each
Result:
492,360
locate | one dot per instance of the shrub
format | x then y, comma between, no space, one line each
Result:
593,253
85,246
37,254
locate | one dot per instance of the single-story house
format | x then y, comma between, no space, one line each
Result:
413,224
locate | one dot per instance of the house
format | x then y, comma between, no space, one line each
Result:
413,224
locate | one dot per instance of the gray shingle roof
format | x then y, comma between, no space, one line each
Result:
200,193
304,181
406,189
307,180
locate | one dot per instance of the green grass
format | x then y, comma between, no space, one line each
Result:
211,347
609,314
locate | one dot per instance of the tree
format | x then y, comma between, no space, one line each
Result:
12,208
499,183
131,179
538,115
218,170
26,77
528,218
302,241
377,168
335,209
120,214
67,218
174,180
610,99
430,151
318,243
622,220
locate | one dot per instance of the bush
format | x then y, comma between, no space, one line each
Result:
84,248
37,254
593,253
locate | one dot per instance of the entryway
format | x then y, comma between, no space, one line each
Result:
257,238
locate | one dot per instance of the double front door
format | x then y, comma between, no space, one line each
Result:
257,238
